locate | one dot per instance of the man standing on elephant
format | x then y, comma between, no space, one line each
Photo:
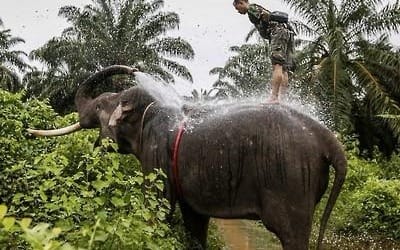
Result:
274,27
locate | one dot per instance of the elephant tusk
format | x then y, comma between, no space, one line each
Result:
56,132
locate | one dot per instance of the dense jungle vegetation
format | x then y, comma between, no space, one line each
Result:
87,197
65,193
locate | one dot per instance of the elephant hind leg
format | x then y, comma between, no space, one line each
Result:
196,225
291,225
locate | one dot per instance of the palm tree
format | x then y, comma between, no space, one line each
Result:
107,32
246,73
11,61
203,95
336,63
374,125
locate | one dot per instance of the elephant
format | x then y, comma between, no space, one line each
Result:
265,162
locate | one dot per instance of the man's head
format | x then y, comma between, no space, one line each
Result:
241,6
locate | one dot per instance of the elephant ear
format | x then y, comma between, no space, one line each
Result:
132,104
116,117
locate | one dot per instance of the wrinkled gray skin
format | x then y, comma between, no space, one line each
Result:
265,162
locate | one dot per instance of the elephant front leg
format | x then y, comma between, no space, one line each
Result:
196,225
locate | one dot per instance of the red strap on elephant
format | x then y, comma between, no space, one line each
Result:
175,150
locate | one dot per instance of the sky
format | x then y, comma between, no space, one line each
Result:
210,26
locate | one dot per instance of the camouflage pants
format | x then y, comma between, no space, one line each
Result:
282,46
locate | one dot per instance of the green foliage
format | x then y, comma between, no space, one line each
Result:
378,207
39,237
15,116
89,198
369,202
390,168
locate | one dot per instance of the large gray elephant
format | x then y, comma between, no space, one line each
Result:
261,162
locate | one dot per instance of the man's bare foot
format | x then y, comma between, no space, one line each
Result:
272,100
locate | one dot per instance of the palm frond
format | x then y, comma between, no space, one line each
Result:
176,47
313,11
158,24
71,13
380,100
107,12
9,80
385,20
251,33
302,28
177,69
158,71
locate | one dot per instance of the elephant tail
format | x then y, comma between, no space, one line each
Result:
339,163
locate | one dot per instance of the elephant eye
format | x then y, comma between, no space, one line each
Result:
126,108
97,107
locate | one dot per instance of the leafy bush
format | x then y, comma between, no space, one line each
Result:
391,168
370,198
378,208
38,237
14,119
93,198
